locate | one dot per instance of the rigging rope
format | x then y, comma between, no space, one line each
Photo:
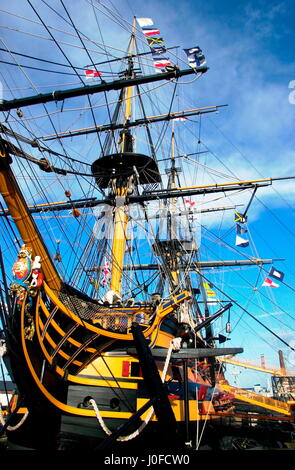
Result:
252,316
174,345
198,442
18,425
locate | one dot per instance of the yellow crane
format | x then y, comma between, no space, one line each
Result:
279,372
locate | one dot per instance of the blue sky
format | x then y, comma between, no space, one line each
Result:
249,47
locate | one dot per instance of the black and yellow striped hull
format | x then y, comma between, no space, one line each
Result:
68,361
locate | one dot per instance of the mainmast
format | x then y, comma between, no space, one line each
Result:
122,172
121,186
172,214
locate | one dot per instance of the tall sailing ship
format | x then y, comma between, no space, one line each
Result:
108,307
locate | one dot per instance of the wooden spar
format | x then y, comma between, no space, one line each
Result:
27,228
137,122
60,95
59,205
193,266
217,185
204,189
92,202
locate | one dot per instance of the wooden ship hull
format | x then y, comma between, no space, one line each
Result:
80,387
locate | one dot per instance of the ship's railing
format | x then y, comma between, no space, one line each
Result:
71,341
117,319
75,315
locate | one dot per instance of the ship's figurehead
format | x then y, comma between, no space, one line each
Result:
27,275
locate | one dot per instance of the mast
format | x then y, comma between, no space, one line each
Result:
172,213
121,188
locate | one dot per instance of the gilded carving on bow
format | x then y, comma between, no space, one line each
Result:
27,275
29,328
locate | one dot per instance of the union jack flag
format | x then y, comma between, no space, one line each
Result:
106,273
